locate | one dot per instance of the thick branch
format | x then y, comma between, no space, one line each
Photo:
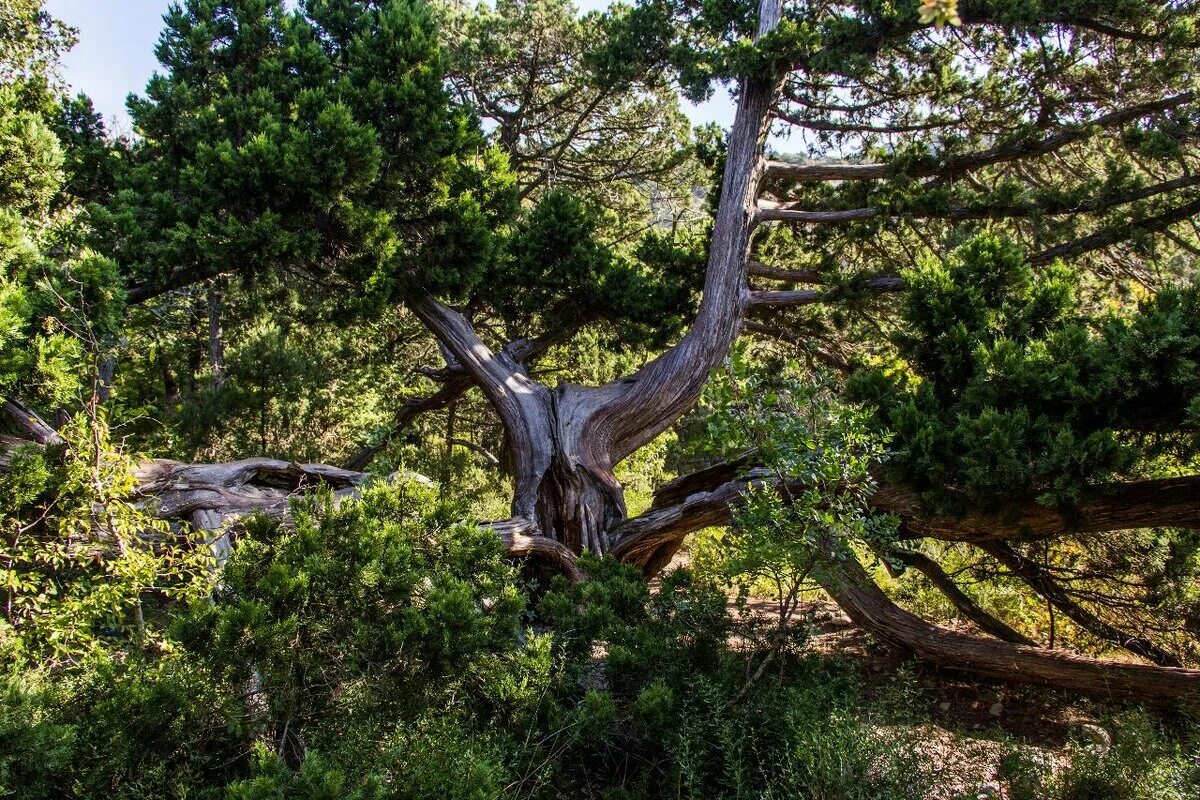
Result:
1158,502
518,543
870,608
703,499
645,404
523,405
28,424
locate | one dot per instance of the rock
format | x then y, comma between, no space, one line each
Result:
1099,737
944,705
832,618
997,709
988,791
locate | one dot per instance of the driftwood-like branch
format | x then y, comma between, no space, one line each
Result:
648,402
28,424
456,383
871,609
522,540
704,499
1157,502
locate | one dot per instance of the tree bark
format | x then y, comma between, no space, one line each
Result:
564,442
870,608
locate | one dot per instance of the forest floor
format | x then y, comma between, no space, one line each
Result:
962,727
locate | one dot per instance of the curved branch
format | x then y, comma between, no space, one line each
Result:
966,606
457,383
514,534
523,405
870,608
643,405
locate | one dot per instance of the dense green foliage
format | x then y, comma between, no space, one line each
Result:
237,279
1012,389
383,649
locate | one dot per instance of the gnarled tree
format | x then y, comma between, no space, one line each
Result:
1069,128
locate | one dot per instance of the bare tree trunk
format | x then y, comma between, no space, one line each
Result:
565,442
216,341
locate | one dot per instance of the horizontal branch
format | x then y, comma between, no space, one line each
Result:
785,212
704,499
804,297
1156,502
967,162
757,269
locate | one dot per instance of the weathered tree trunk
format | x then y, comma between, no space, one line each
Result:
565,442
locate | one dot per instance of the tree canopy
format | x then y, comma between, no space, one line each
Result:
385,303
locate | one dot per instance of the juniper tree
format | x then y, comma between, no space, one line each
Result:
979,169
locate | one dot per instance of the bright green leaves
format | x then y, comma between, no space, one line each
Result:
939,13
984,293
808,506
81,562
319,143
57,300
570,277
30,159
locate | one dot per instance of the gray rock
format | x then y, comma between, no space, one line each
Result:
1096,735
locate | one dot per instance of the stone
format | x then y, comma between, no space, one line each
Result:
1096,735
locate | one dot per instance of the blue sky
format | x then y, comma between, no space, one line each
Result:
115,54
